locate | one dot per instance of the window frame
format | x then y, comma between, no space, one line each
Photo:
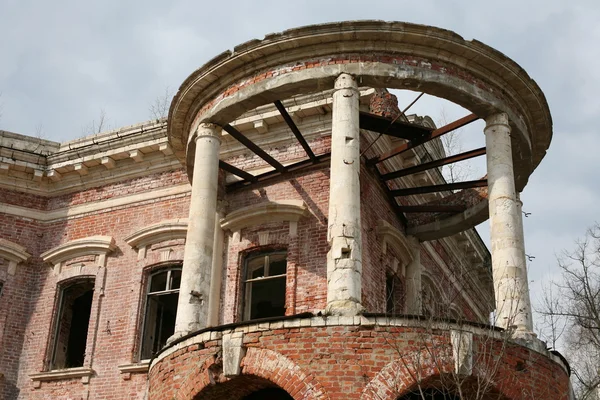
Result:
147,294
59,307
246,283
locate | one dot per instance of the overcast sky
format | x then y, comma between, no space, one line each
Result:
62,62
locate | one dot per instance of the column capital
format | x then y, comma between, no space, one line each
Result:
207,129
345,81
497,119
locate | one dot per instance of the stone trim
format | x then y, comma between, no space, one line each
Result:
14,253
156,233
134,368
92,245
391,236
62,374
103,205
433,324
272,211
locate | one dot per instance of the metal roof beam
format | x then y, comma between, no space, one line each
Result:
237,135
459,123
290,122
439,188
433,164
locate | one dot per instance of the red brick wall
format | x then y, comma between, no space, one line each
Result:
29,297
353,362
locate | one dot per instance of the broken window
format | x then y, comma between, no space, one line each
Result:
432,299
265,281
161,310
71,329
394,294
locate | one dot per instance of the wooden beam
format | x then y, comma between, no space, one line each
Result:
237,135
276,174
236,171
386,126
439,188
290,122
433,164
459,123
424,208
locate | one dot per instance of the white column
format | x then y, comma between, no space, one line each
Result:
344,260
192,308
214,299
513,308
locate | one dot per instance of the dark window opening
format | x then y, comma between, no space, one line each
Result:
1,287
161,310
269,394
265,286
72,325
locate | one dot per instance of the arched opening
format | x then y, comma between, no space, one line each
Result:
269,394
430,394
453,387
244,387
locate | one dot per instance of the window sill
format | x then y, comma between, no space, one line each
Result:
134,368
62,374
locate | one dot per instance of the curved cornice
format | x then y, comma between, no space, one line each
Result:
391,236
100,245
469,73
160,232
12,251
264,213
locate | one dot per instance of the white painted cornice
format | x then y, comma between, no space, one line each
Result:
160,232
92,245
156,233
391,236
14,253
264,213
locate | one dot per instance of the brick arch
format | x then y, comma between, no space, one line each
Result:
397,378
399,375
261,365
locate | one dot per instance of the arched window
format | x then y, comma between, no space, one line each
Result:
161,309
72,323
433,301
264,285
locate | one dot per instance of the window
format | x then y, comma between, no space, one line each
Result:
161,310
71,329
264,282
432,300
394,294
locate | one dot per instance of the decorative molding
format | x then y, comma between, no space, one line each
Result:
69,212
160,232
134,368
14,253
264,213
98,245
62,374
391,236
156,233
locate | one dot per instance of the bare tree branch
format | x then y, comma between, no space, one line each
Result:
159,109
571,312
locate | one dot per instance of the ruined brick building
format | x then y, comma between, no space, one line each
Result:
284,233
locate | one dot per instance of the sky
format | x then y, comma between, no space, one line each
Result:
64,63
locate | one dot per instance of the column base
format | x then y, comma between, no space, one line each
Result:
344,308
